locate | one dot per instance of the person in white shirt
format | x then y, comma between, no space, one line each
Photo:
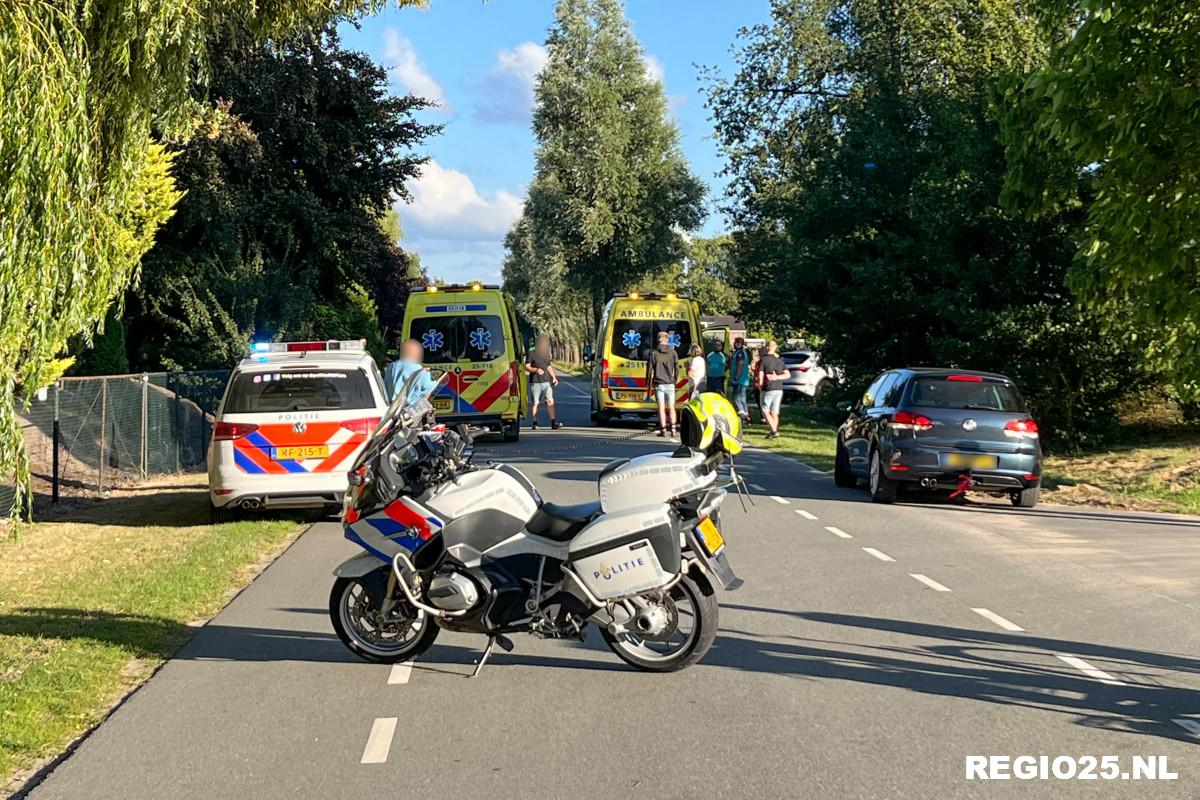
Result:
695,369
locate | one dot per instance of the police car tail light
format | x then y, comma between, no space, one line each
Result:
228,431
364,425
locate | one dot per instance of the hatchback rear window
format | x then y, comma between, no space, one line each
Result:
795,359
299,390
984,395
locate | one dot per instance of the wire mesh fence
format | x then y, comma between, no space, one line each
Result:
89,435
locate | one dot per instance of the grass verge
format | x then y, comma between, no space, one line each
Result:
97,596
802,435
1163,477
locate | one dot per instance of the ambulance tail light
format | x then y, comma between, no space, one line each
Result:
514,384
362,426
604,373
228,431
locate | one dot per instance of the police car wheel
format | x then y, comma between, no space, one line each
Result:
221,514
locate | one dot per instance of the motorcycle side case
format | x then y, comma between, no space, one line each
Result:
652,479
627,552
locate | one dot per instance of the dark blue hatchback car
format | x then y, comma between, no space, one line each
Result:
941,429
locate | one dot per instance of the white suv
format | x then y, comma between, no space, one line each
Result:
293,419
808,375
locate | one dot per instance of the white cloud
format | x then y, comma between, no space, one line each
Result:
507,88
655,70
408,71
446,205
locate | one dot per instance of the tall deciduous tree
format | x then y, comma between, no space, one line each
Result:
279,232
867,174
1120,101
82,84
611,191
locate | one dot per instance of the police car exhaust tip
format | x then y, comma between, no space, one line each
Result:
251,504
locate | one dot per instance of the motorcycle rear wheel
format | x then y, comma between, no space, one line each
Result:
696,619
354,618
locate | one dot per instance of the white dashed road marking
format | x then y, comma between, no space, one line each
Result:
380,741
999,620
838,532
400,673
756,487
930,582
805,514
1089,670
781,500
880,555
1189,725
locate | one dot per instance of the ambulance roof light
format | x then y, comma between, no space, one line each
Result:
476,286
431,288
634,295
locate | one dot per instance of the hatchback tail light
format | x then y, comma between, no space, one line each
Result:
798,369
1021,427
965,378
228,431
363,425
907,421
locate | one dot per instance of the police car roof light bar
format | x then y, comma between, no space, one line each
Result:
355,345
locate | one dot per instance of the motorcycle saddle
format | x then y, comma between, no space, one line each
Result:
561,523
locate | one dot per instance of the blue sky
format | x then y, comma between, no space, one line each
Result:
479,60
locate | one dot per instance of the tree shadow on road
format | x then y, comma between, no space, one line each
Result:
992,667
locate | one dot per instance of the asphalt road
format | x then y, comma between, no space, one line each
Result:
870,651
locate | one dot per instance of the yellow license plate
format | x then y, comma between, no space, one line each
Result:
443,405
710,537
630,396
299,453
966,461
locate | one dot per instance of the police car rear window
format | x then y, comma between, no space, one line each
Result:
470,337
299,390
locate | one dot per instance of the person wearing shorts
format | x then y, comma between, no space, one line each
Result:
662,367
774,373
542,380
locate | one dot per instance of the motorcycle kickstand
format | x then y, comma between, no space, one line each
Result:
499,639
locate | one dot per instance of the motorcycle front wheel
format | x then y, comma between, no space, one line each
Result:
693,612
403,635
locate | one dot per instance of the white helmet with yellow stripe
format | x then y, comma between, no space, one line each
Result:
709,419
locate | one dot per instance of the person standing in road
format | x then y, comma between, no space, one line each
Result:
739,376
542,380
716,369
403,368
662,367
695,369
774,373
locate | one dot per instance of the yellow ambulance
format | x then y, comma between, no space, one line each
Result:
470,333
628,331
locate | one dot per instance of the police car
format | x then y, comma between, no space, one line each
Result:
293,419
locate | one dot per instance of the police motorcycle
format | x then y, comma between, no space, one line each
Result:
452,545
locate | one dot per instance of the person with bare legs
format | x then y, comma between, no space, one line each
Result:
662,370
542,380
774,373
